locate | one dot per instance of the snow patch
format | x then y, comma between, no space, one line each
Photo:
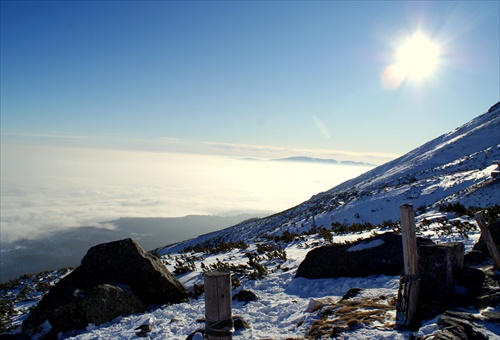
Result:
366,245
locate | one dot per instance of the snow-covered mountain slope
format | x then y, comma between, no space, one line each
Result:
455,167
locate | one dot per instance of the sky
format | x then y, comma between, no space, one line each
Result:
148,108
243,78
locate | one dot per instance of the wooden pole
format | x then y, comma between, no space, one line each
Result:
218,306
485,232
412,288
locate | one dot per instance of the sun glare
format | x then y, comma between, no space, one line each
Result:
418,56
415,59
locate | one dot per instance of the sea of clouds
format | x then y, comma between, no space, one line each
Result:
50,188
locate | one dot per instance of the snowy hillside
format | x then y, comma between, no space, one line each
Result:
455,167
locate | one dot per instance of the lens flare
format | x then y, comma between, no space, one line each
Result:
418,56
416,59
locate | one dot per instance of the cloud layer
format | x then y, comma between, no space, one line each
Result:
50,188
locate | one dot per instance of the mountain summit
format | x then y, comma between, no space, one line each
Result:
455,167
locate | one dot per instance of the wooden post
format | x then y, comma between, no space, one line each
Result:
485,232
411,283
218,306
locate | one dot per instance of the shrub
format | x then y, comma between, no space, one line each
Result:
184,265
198,289
339,228
6,312
457,208
327,235
219,248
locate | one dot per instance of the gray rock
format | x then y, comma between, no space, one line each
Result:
458,325
455,325
491,316
379,255
97,305
474,258
240,323
116,263
144,330
245,296
351,293
127,263
489,299
471,281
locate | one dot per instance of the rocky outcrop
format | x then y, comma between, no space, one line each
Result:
103,272
379,255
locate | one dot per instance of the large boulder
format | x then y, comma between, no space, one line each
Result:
116,263
127,263
97,305
379,255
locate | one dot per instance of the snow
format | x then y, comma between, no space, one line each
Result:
282,309
286,307
366,245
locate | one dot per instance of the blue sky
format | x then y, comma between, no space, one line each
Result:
243,78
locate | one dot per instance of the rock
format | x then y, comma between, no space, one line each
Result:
492,278
353,292
245,296
116,263
240,323
379,255
469,282
451,333
490,299
97,305
474,257
490,316
143,330
198,334
464,326
126,262
459,325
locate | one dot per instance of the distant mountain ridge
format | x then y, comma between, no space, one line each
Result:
454,167
305,159
320,160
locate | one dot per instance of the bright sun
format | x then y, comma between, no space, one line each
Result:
416,59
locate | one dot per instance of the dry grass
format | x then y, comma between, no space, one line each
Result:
348,315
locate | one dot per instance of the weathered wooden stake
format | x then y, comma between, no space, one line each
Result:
218,306
485,232
410,256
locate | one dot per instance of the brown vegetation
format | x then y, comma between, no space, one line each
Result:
348,315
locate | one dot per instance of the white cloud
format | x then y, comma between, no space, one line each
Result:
47,188
177,145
